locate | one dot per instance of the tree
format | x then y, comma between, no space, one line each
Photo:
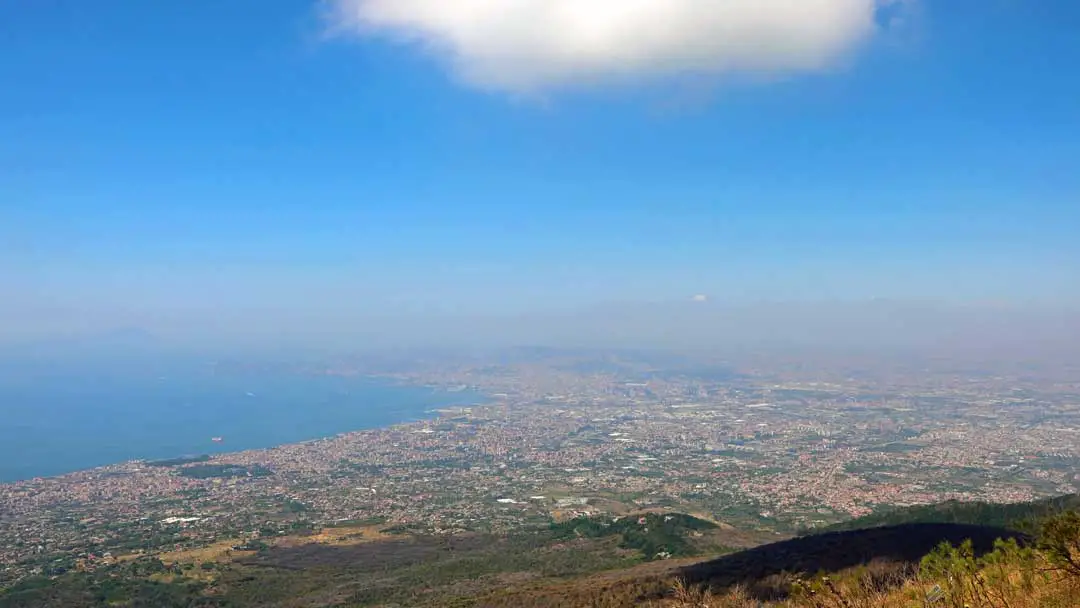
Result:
1059,538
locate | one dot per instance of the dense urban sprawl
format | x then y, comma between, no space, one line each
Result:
551,440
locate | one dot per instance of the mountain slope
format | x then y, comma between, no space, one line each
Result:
1016,516
763,572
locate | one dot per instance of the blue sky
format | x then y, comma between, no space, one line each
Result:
240,167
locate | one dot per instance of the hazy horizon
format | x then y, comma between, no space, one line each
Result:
878,325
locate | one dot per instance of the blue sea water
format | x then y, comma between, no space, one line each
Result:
60,421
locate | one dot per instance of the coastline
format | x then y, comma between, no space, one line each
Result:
409,411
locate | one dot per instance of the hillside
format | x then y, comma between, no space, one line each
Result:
650,558
1040,574
764,573
837,551
1016,516
383,565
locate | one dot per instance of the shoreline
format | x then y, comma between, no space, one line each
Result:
428,413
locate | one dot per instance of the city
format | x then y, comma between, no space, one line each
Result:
547,444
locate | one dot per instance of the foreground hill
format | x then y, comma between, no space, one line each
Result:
1043,572
764,572
839,551
383,565
650,558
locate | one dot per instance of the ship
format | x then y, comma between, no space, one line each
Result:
217,439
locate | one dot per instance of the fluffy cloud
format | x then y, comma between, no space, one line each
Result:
525,46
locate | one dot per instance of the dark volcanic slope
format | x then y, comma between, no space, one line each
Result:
837,551
755,569
1017,516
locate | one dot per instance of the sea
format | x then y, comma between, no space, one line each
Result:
59,420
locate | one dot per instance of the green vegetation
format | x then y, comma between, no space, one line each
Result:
412,568
898,448
294,506
1018,516
606,561
175,462
127,584
376,520
217,471
654,535
252,545
1012,575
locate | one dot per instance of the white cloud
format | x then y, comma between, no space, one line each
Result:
525,46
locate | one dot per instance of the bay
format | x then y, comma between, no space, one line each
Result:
64,421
